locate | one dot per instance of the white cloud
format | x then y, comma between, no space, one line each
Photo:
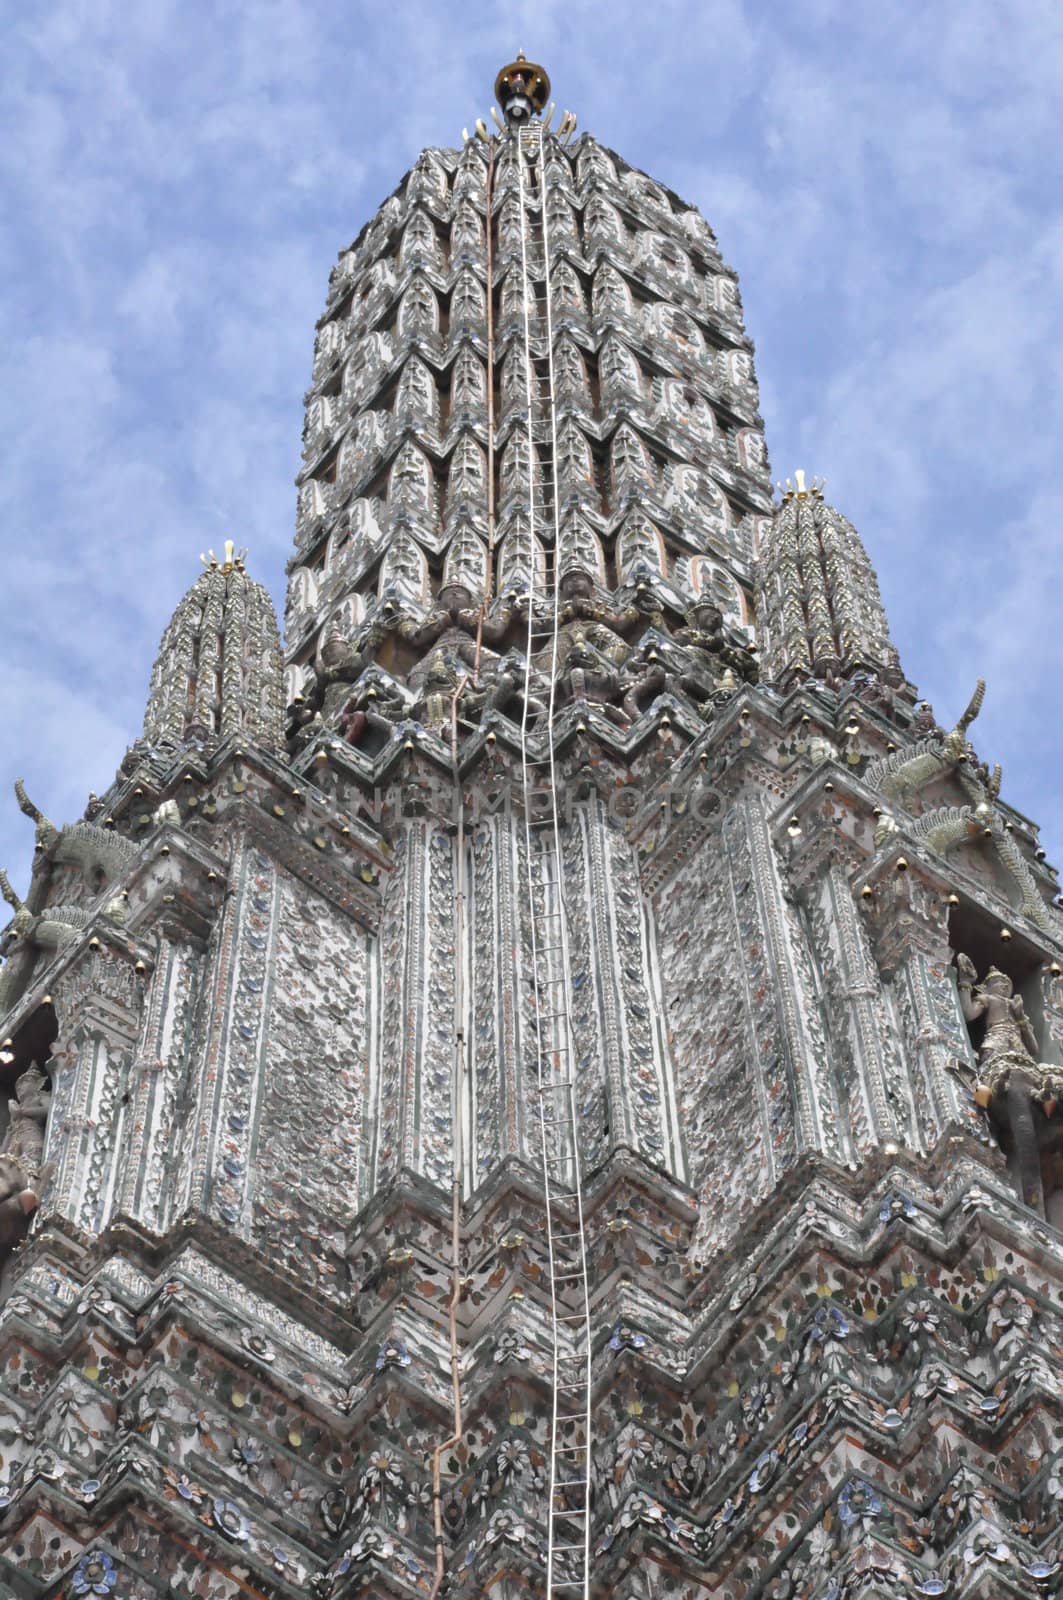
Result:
179,178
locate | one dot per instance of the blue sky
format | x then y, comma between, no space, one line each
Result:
176,180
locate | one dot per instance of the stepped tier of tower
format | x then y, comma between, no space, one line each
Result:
510,393
862,1399
276,1168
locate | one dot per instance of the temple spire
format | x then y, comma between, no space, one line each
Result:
218,671
820,611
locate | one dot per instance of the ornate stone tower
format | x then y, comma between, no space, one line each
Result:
526,1120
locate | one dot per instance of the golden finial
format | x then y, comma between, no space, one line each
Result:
522,89
797,489
233,560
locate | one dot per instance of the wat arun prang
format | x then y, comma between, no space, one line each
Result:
549,1085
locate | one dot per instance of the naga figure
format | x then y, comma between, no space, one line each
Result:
22,923
26,934
1011,1078
47,833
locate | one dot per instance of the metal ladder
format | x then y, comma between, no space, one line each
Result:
569,1504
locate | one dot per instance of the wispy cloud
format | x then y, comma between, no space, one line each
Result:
178,178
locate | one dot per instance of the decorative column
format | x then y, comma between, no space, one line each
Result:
156,1080
98,1001
638,1075
498,1103
907,917
798,1072
873,1096
215,1175
753,1078
1052,1010
413,1069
